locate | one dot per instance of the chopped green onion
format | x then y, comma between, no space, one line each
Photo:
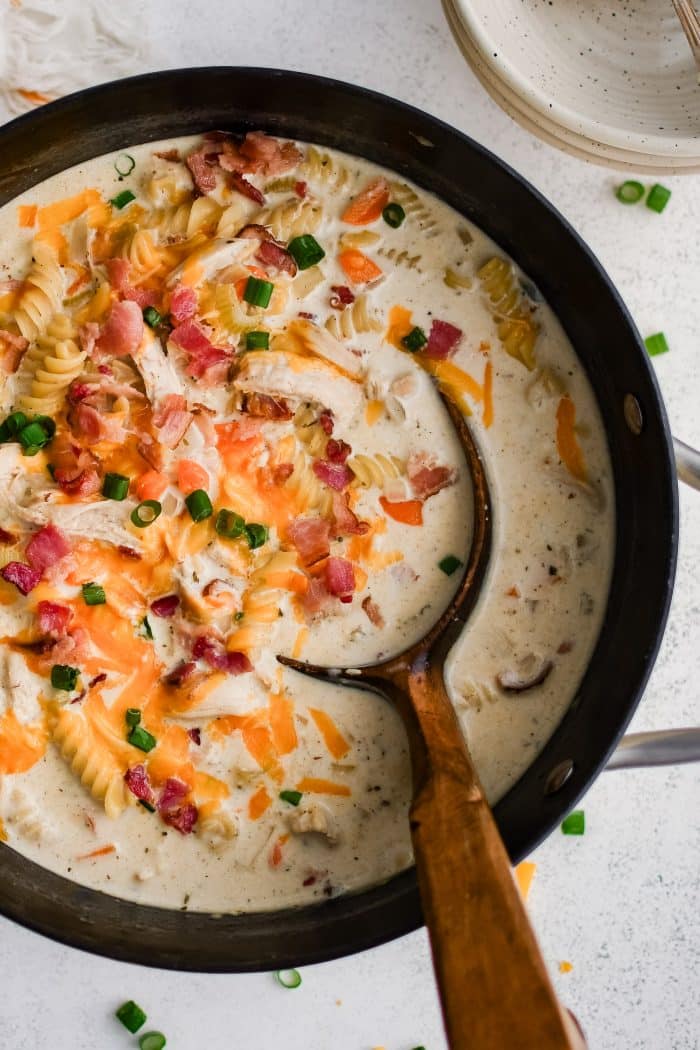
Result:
146,513
147,805
306,251
238,616
629,192
656,344
415,340
152,1041
11,427
152,317
147,628
142,739
256,535
575,823
288,978
122,199
64,677
47,424
292,797
124,164
393,215
257,340
131,1016
658,197
258,292
94,594
133,717
199,505
229,524
115,486
33,436
449,564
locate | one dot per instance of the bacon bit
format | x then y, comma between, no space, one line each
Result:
46,547
426,477
281,473
23,577
311,538
254,231
513,592
7,538
443,340
310,880
122,332
316,597
174,792
340,578
168,154
342,296
408,512
202,172
337,451
93,426
101,852
182,819
203,354
565,647
336,475
172,420
265,407
300,188
53,618
166,606
97,680
129,552
373,611
183,303
195,735
247,189
180,674
267,154
326,422
214,653
138,783
272,254
306,315
345,521
12,347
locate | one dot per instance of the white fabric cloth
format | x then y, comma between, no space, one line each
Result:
57,46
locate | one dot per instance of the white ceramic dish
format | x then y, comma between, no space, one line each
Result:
534,97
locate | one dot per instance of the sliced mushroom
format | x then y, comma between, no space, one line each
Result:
519,681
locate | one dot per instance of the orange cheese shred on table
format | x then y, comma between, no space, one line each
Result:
524,874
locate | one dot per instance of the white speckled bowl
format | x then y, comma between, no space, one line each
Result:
612,82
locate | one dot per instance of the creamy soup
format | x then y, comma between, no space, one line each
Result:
222,439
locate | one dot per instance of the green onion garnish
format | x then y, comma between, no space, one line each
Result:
629,192
152,1041
115,486
449,564
199,505
292,797
64,677
94,594
152,317
257,340
393,215
258,292
656,344
132,717
124,164
147,805
142,739
575,823
256,535
238,616
306,251
288,978
146,513
32,438
11,427
131,1016
415,340
122,199
229,524
147,628
658,197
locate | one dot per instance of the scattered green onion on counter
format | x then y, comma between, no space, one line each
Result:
292,797
656,344
629,192
115,486
122,199
152,1041
575,823
199,505
449,564
146,513
288,978
658,198
258,292
131,1016
393,215
64,677
94,594
306,251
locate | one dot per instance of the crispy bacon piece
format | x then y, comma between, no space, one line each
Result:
53,618
23,577
204,356
427,477
87,337
183,303
268,155
118,272
310,537
171,419
129,552
300,188
174,792
335,475
11,349
7,538
265,407
138,783
46,547
254,231
247,189
443,340
345,521
325,421
317,597
337,451
202,171
272,254
168,154
166,606
373,611
340,578
180,674
214,652
94,426
341,297
183,819
74,468
281,473
195,735
121,333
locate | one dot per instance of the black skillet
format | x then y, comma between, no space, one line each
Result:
525,225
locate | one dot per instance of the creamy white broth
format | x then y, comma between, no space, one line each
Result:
542,602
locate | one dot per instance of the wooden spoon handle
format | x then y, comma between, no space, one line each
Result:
494,987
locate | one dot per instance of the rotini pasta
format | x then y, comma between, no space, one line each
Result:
291,218
92,763
42,294
376,471
416,209
322,168
517,329
356,319
48,368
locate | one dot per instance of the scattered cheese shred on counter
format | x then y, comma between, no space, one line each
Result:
565,967
524,874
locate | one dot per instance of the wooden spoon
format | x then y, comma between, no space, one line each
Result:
495,990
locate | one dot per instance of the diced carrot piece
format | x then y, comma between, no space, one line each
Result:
568,447
319,786
368,205
357,267
151,485
284,734
191,476
26,215
332,737
258,803
408,512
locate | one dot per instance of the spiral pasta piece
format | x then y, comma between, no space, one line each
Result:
375,471
48,367
321,168
515,324
291,218
42,294
186,219
353,320
416,209
91,762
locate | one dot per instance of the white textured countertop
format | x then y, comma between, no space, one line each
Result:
621,903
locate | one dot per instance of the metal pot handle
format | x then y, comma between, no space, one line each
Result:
667,747
687,463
